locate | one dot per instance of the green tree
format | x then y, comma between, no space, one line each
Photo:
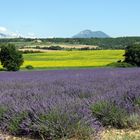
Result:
132,54
10,57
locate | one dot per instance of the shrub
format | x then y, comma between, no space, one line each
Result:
29,67
137,102
10,57
56,125
2,69
132,54
120,65
85,48
119,61
133,120
38,47
55,48
109,114
83,132
2,111
15,122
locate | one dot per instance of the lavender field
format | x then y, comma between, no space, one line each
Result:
69,103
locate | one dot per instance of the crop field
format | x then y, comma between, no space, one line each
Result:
72,59
69,103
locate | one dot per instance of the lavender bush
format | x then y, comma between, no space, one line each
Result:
65,103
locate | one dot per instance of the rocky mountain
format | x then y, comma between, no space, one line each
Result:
91,34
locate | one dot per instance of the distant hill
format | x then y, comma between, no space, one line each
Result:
91,34
3,35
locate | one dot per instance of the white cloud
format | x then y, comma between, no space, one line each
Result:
3,29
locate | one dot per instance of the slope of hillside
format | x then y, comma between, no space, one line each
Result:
91,34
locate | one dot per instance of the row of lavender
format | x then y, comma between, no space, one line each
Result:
68,103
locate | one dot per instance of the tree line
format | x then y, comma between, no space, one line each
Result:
103,43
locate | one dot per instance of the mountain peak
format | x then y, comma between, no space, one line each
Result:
91,34
86,31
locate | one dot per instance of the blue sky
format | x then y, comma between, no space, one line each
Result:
64,18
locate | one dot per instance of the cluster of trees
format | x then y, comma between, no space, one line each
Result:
50,48
11,59
12,40
132,55
67,49
103,43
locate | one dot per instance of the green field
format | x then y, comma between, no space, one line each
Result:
72,59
